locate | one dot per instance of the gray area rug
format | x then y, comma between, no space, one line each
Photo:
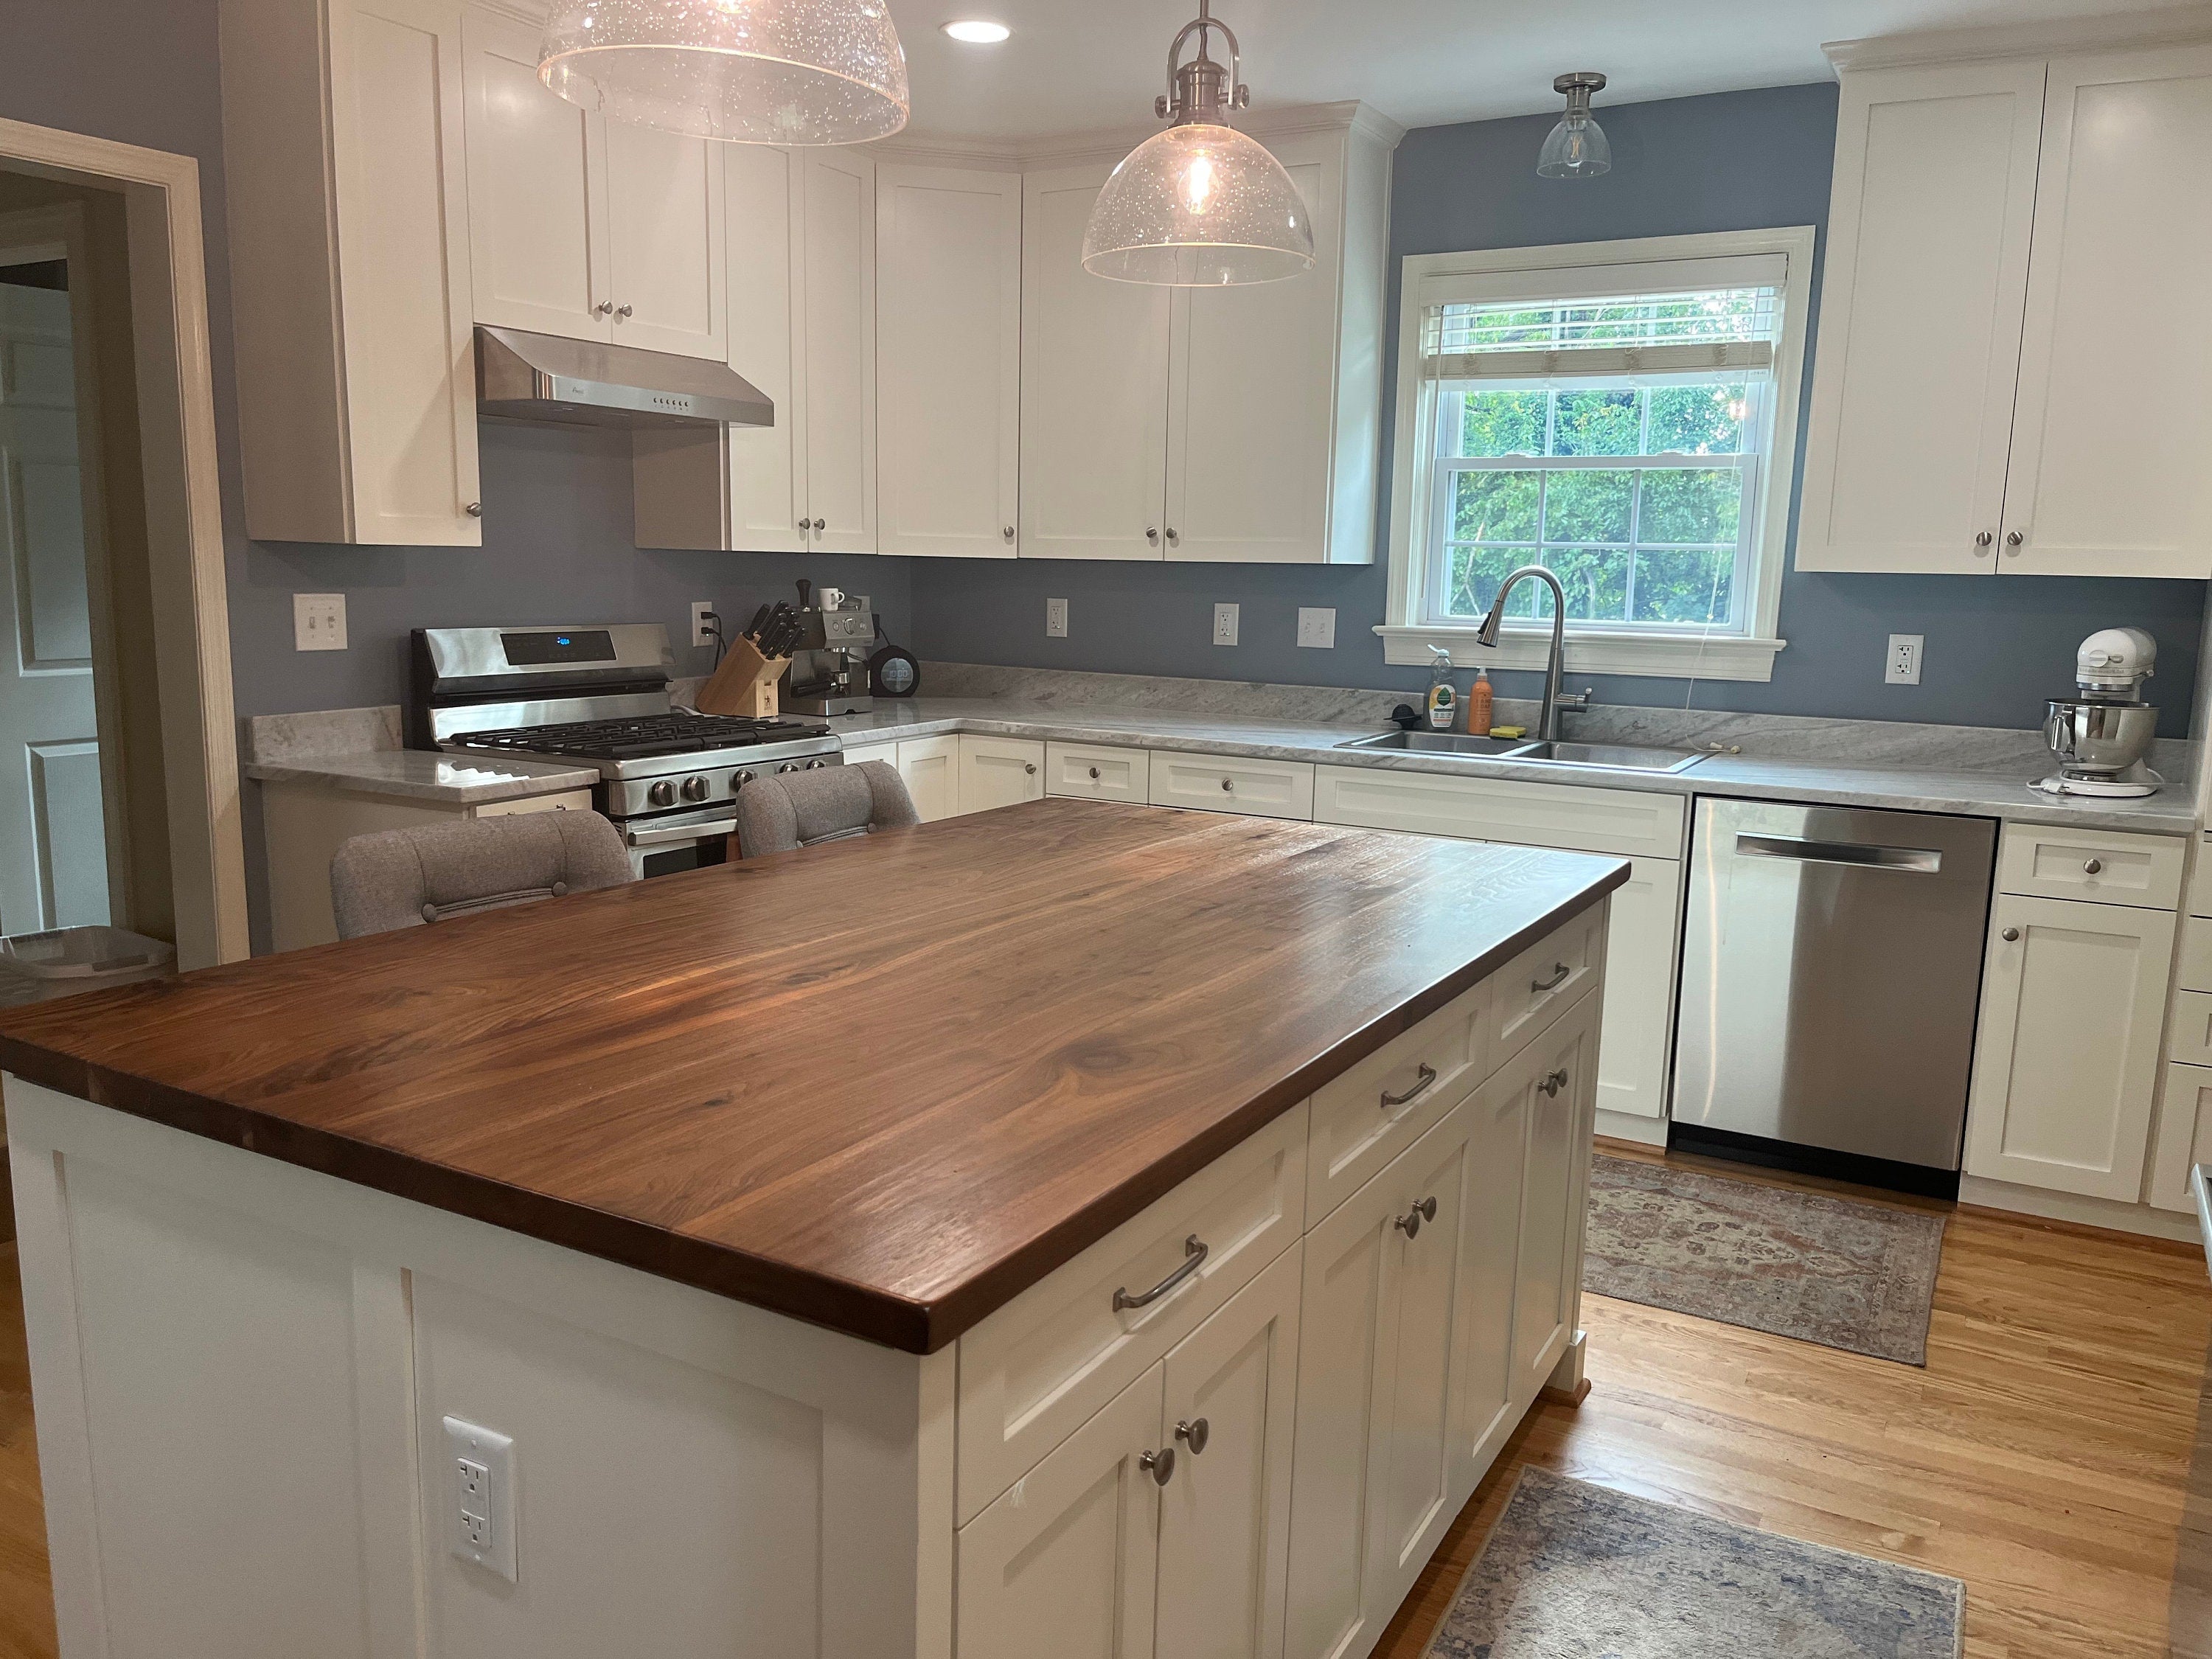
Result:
1835,1270
1578,1571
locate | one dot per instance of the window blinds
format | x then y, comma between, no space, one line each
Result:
1654,335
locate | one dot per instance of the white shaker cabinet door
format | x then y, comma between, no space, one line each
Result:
664,209
1490,1240
2113,425
1920,318
2066,1056
1094,387
536,210
931,767
1642,929
1225,1511
1065,1562
837,260
948,360
1000,772
1252,396
1560,1072
763,189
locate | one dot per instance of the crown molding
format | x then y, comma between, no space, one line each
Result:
2174,27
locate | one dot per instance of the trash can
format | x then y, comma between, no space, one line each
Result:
64,961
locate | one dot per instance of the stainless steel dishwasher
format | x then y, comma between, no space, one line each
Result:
1832,968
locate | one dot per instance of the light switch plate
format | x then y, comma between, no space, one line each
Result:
1317,629
1056,619
702,630
1224,624
319,622
480,1496
1904,660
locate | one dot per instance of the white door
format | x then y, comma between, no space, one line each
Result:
1000,772
1252,398
837,261
931,767
1225,1512
1641,931
1560,1067
2067,1052
665,240
1920,318
1094,387
1490,1240
54,847
948,360
537,208
765,188
2109,439
1065,1562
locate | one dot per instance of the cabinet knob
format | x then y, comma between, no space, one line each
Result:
1008,532
1553,1084
1160,1465
1193,1432
1410,1222
474,509
1175,537
604,308
2091,867
821,525
625,312
1985,538
1152,534
1094,772
2010,936
1030,767
1227,785
807,524
2014,538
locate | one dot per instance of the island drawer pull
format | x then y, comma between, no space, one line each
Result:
1193,1432
1410,1222
1159,1464
1426,1078
1555,1082
1559,978
1193,1255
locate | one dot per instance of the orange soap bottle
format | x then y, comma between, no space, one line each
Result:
1479,700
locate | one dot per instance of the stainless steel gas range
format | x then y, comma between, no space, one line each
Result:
599,696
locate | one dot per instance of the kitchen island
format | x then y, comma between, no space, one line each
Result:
738,1262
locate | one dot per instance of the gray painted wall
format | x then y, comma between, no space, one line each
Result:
1996,647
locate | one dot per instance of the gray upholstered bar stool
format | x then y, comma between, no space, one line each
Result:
785,812
409,878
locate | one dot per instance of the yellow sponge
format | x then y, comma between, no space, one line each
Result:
1508,730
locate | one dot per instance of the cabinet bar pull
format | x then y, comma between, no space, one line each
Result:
1410,1222
1559,978
1160,1464
1193,1255
1193,1432
1425,1077
1555,1082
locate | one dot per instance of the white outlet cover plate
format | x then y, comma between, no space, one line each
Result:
1317,628
1224,624
1056,619
481,1525
319,622
1906,651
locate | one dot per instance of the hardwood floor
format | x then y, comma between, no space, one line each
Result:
2043,1455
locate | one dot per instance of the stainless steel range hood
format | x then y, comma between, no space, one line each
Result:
541,378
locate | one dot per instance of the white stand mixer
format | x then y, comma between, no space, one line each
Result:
2100,737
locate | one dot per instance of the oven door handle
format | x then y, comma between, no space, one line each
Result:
661,835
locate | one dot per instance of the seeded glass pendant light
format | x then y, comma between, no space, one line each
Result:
753,71
1199,205
1576,147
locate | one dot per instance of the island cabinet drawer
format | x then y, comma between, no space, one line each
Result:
1227,783
1390,1100
2189,1028
1563,815
1037,1370
2101,866
2193,970
1542,980
1086,772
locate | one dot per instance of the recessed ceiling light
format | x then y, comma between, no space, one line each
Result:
977,33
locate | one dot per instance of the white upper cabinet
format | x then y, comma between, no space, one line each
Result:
665,252
837,278
1094,389
948,360
1988,393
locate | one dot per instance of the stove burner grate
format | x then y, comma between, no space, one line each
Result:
640,736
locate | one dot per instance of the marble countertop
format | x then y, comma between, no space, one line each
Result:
423,774
2002,791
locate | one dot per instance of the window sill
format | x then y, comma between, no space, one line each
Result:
1666,656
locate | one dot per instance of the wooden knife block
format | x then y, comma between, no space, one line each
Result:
744,683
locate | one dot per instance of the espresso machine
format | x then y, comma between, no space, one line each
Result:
828,672
2100,737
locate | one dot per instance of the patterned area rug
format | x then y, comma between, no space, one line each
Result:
1578,1571
1835,1270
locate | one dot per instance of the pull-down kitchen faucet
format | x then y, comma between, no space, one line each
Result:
1548,722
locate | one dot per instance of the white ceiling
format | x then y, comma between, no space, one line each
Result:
1075,65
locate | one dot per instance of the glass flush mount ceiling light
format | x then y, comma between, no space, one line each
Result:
1577,147
1199,205
751,71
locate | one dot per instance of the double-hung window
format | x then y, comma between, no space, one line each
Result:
1623,415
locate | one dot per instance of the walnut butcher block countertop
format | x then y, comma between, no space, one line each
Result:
883,1086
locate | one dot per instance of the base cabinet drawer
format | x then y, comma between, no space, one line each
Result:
1226,783
571,801
2102,866
931,767
995,772
1084,771
1543,979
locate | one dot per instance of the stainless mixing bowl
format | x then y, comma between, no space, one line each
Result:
2098,739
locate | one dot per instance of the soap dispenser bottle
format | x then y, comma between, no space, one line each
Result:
1481,703
1442,700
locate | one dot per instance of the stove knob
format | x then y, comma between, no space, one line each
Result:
788,765
694,788
816,765
662,793
738,780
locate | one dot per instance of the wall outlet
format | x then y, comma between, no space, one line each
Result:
1904,660
480,1496
1056,619
703,631
1224,624
319,622
1317,629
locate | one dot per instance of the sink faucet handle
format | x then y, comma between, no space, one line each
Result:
1575,703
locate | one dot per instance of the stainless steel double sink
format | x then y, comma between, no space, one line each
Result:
1526,751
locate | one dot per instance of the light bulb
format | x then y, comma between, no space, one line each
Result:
1198,184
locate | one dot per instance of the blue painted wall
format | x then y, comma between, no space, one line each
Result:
1996,647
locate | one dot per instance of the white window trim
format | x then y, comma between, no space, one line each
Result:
1406,640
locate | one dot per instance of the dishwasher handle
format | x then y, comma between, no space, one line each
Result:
1913,860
